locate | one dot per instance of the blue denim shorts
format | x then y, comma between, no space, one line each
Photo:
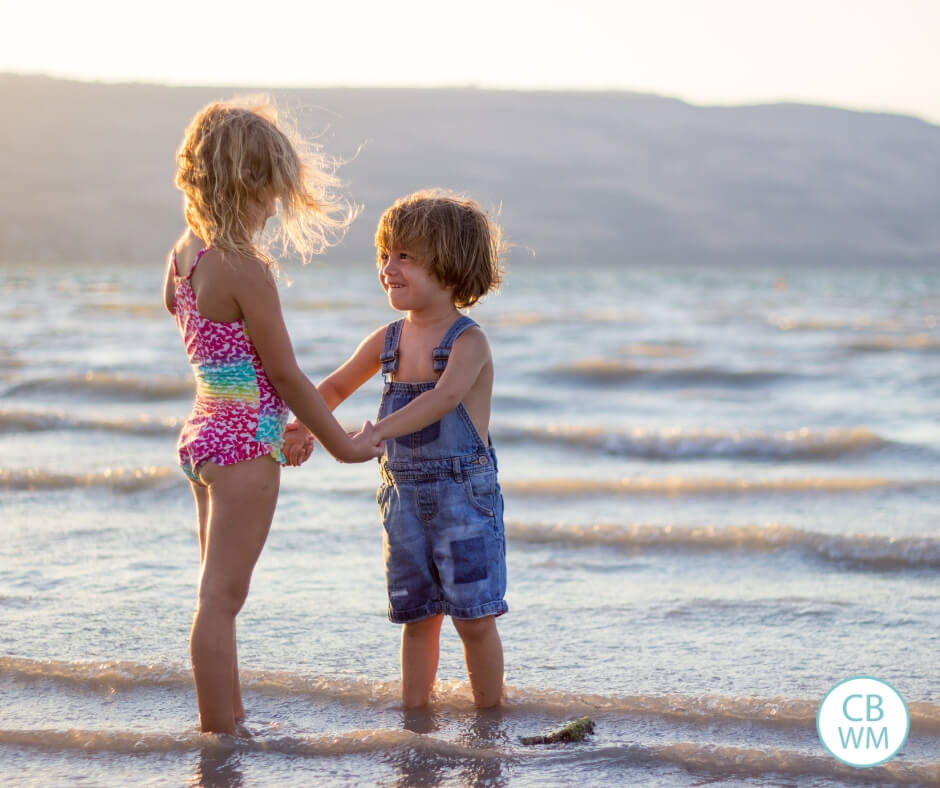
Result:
445,546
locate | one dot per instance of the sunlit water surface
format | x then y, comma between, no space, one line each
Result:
722,497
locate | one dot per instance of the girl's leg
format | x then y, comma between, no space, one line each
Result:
483,653
201,495
241,506
238,708
420,648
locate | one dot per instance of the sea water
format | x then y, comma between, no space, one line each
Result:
722,498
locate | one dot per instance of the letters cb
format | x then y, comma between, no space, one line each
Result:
863,721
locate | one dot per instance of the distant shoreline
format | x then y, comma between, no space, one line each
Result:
578,176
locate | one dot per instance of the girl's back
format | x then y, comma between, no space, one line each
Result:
215,280
237,413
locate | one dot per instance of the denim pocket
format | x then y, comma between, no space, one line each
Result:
420,438
481,492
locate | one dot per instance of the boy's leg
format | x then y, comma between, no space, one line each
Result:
241,506
420,648
483,653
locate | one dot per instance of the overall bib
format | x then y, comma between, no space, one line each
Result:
441,506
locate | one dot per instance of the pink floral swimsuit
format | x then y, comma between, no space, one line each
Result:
237,414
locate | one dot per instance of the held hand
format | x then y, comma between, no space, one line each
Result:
366,445
298,444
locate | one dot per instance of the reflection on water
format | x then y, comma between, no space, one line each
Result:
721,466
218,767
478,760
423,720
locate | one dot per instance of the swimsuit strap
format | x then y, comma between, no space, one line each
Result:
192,268
441,353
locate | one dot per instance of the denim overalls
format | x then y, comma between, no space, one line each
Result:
442,509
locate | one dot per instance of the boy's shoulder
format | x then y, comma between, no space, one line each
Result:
472,342
470,328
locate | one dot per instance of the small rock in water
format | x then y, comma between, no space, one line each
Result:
573,731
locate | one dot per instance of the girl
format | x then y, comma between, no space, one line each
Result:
234,164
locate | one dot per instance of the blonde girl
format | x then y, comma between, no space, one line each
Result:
236,162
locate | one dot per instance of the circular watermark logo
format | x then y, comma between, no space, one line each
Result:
863,721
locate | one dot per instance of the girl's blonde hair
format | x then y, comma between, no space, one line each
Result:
463,246
235,155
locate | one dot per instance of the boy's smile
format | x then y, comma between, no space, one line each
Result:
408,281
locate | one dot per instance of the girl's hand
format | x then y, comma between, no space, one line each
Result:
298,444
366,445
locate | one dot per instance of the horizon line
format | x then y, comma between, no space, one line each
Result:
463,86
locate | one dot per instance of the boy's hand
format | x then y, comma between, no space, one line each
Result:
298,443
367,446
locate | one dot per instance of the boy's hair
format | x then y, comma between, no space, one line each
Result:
463,245
236,153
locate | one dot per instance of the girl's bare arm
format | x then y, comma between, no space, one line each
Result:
169,285
255,291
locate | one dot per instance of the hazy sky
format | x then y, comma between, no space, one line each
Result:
863,54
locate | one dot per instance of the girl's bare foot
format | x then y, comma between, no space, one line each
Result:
242,732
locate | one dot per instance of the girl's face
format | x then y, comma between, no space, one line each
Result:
261,209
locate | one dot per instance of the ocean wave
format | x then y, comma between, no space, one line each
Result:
454,694
599,317
125,675
746,762
660,444
865,549
96,675
125,480
9,360
677,443
687,485
146,309
694,757
43,421
887,344
521,319
834,324
658,349
322,305
131,479
108,386
354,742
607,372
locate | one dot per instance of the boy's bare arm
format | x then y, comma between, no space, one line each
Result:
335,388
471,352
355,371
256,294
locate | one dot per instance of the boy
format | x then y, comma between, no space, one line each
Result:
440,500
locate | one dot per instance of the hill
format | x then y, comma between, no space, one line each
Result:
86,171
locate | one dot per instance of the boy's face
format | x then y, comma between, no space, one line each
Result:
406,277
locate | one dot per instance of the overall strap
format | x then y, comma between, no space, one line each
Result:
441,353
389,357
